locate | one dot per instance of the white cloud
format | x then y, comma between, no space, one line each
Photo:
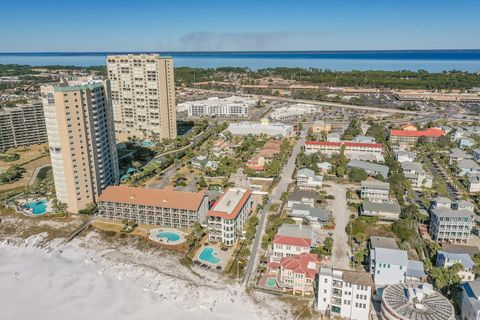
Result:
245,41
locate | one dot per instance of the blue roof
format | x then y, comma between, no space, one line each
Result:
463,258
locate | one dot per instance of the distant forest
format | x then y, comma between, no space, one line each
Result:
375,79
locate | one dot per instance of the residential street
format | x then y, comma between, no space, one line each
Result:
340,255
282,186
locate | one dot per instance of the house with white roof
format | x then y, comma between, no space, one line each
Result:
405,156
308,180
390,265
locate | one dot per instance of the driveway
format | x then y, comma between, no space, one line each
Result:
341,250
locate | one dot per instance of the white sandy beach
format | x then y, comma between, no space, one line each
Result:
87,282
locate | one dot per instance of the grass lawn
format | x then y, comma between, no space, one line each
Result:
117,226
25,156
42,173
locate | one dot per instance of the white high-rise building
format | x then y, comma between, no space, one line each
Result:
143,96
81,139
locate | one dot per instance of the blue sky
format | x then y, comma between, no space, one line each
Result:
107,25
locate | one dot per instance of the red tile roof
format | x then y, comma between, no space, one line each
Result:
298,264
431,132
235,211
345,143
292,241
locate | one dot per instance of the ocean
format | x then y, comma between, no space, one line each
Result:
429,60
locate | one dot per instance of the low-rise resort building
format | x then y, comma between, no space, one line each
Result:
161,207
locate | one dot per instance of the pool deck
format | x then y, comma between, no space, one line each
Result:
29,212
223,255
152,235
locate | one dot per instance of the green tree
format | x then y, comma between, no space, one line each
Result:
202,183
357,174
359,256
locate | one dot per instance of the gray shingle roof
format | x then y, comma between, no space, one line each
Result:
392,207
383,242
413,166
442,200
415,269
298,195
295,231
450,213
468,164
375,184
457,248
368,166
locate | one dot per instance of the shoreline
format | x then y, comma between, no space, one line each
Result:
89,277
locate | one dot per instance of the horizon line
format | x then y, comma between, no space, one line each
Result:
240,51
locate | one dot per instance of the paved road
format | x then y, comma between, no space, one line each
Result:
169,172
282,186
437,170
163,182
340,252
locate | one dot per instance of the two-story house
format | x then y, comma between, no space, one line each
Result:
447,259
375,191
308,180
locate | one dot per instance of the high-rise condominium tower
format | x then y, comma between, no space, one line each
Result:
81,139
143,96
